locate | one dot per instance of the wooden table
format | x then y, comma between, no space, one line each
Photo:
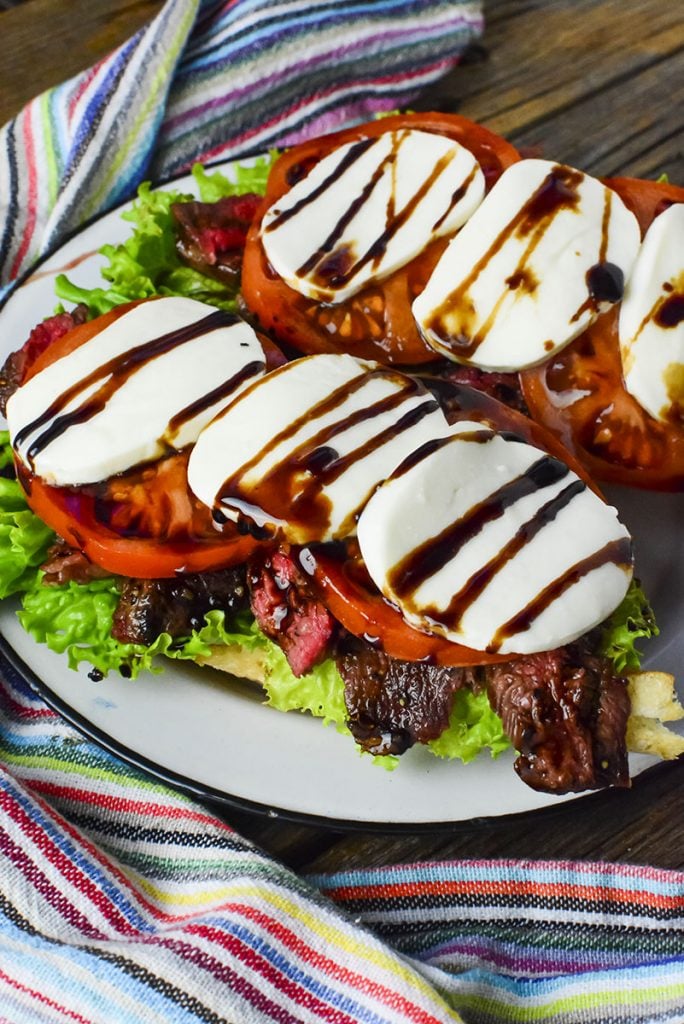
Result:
596,84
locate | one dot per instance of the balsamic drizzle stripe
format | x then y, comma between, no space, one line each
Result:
355,205
558,190
617,551
340,465
114,374
452,615
332,270
221,391
433,554
430,447
457,196
295,484
349,158
319,409
378,248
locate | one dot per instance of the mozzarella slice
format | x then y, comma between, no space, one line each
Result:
368,208
494,545
652,319
544,254
302,449
149,381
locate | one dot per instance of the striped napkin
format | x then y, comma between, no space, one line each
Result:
122,900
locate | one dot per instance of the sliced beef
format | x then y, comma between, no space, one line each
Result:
505,387
41,337
393,704
211,236
176,606
566,714
64,564
288,611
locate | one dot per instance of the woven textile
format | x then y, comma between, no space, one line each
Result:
122,900
206,80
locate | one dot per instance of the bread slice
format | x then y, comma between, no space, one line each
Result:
654,702
238,661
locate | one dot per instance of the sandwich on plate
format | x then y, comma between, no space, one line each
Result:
347,438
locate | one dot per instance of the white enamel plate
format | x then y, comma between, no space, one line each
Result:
211,735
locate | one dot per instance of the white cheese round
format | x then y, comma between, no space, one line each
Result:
368,208
494,545
652,319
548,249
302,449
147,382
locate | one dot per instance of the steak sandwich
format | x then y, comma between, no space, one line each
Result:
325,492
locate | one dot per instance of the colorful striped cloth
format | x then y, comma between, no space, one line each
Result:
122,900
209,79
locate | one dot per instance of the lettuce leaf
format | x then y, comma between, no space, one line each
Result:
215,185
632,620
76,620
473,726
24,539
147,263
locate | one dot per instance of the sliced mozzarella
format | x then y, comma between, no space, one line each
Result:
494,545
652,319
302,449
544,254
150,380
368,208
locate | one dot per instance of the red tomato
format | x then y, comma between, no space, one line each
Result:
180,535
377,323
143,523
341,580
580,394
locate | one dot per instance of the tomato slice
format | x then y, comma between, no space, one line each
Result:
377,322
580,394
339,576
144,523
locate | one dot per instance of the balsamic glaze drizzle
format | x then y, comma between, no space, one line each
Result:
335,262
429,558
559,190
617,551
113,374
293,489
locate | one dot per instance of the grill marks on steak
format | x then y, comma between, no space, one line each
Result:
393,704
566,713
288,611
41,337
176,606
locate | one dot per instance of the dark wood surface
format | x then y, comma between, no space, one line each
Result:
597,84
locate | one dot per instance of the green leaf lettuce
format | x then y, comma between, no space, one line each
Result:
147,263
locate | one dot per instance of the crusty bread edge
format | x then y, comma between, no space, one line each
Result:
238,661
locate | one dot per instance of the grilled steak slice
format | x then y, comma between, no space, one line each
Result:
41,337
444,384
288,611
176,606
566,713
64,564
393,704
211,236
